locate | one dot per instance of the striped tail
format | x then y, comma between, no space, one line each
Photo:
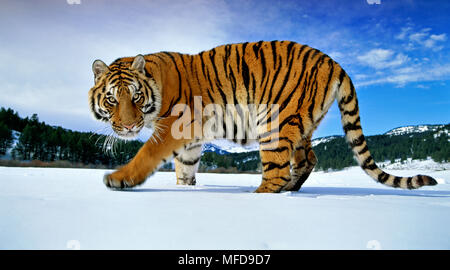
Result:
348,105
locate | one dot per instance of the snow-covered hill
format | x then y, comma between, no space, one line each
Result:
43,208
230,147
323,140
413,129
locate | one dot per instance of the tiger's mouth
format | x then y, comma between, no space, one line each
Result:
128,134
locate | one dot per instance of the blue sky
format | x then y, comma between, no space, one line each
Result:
397,52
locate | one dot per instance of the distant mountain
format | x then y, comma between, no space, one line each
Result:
324,140
210,147
414,129
226,146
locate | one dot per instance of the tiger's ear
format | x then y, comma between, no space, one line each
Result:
139,64
99,68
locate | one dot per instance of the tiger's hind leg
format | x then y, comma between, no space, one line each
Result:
275,155
302,162
187,161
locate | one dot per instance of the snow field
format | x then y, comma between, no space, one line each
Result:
44,208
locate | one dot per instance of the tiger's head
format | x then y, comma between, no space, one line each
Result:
125,95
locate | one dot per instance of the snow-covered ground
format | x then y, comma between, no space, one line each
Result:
43,208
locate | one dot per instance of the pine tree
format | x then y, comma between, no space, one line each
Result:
6,138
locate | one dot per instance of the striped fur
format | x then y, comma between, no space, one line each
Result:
301,80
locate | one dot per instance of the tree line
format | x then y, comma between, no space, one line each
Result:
40,141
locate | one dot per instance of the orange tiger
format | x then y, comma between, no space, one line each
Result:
142,91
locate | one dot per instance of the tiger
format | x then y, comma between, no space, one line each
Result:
136,92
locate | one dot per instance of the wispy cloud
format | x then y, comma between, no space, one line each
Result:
382,58
417,73
423,38
407,59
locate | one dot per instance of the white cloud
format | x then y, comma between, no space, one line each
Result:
417,73
441,37
404,31
382,58
425,39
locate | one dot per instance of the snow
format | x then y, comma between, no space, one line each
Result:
232,147
413,129
408,164
8,154
48,208
317,141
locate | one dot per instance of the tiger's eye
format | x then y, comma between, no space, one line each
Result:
111,99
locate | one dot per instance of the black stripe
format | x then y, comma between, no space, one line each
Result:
382,177
245,75
313,100
279,149
409,183
274,52
352,126
253,89
256,48
301,164
397,181
222,94
305,59
275,140
179,84
273,165
264,89
299,147
263,65
288,120
420,181
203,64
346,100
358,141
238,58
330,75
277,177
354,111
369,164
362,151
274,79
315,53
190,147
189,162
213,63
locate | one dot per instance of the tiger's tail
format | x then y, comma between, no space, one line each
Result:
348,105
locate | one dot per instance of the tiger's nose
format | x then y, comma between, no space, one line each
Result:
129,127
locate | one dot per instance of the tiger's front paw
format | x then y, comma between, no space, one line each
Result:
119,180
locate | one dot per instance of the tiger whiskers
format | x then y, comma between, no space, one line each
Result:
157,129
109,144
